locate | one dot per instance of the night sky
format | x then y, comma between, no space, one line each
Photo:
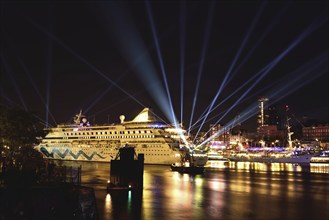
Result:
102,57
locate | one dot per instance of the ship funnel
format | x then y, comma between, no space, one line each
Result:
122,118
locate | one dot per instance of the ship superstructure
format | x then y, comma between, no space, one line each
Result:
84,142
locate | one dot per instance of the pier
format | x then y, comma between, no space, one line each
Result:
127,171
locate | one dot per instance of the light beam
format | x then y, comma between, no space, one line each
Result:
202,58
223,84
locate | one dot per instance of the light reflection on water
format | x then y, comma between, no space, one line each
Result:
234,190
319,168
267,167
108,205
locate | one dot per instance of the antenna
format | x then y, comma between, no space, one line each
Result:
289,133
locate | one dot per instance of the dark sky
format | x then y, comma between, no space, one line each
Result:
69,53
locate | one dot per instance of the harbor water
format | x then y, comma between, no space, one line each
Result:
227,190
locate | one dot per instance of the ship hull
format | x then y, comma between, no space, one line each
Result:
100,154
187,169
320,160
301,159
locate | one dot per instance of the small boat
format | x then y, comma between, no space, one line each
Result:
187,169
187,165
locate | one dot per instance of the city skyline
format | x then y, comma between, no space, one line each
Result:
113,58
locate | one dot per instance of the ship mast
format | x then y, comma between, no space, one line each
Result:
78,118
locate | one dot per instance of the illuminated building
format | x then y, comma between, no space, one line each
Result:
270,133
224,135
317,133
263,112
268,122
274,118
214,129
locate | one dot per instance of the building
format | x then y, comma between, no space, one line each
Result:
271,127
263,112
224,135
274,117
214,129
316,133
270,133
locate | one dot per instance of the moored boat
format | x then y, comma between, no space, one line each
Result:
187,165
283,155
187,169
160,143
273,157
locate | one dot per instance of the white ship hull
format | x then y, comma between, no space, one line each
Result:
101,154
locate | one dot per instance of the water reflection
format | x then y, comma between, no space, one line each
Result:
269,167
108,205
122,205
234,190
319,168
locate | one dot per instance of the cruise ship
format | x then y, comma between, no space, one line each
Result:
159,142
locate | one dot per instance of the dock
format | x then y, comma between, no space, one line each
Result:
126,171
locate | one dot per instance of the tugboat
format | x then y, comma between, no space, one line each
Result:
187,166
127,171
